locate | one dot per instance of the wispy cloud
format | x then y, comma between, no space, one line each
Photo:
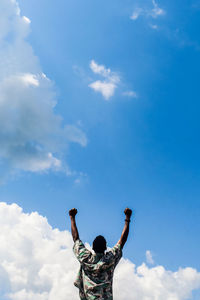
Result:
153,26
154,12
130,94
37,262
32,136
137,13
108,84
149,257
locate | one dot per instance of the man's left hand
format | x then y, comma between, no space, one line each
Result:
73,212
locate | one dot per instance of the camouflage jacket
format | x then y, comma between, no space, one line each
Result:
95,276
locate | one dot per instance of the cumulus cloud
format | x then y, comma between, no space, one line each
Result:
155,283
110,81
154,12
37,262
32,135
107,89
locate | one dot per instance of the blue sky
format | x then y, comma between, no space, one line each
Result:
135,117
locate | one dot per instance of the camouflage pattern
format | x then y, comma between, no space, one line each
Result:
95,276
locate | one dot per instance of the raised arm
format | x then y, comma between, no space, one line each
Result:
125,232
74,230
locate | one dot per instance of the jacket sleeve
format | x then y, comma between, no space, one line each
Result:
81,252
116,253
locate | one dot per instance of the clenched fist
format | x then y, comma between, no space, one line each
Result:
128,212
72,212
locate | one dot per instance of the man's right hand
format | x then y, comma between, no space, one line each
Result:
128,213
74,230
73,212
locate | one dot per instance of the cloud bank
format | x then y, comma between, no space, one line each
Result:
32,136
110,81
37,263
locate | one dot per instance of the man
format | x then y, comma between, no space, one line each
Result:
96,272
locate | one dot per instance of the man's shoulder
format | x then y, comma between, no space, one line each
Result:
116,251
116,248
81,252
78,242
78,246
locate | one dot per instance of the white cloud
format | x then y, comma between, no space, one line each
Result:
149,257
37,263
99,69
130,94
136,13
29,79
108,85
107,89
154,12
154,283
27,20
32,136
74,134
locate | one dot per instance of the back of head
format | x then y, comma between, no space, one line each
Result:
99,244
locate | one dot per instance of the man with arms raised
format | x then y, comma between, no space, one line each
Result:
96,272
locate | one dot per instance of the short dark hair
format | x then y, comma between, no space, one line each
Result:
99,244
